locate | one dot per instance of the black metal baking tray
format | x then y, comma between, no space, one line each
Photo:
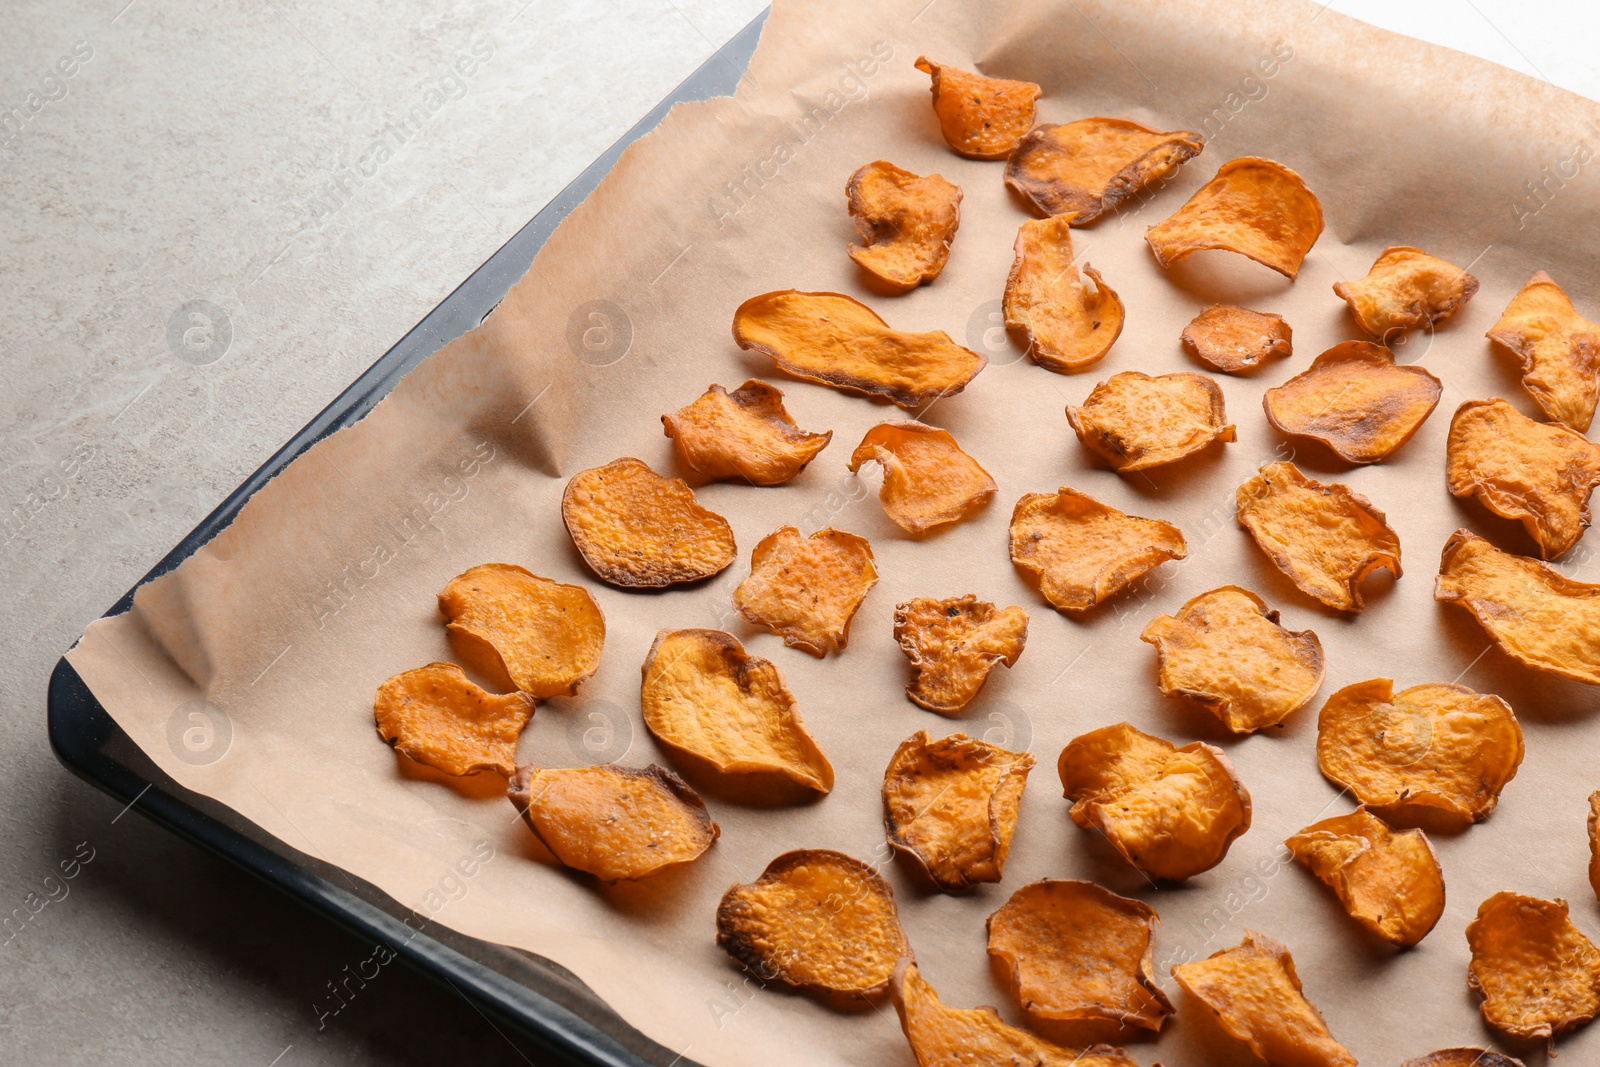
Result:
536,998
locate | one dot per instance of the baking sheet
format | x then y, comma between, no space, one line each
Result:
247,673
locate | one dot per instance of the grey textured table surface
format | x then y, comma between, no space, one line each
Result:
155,154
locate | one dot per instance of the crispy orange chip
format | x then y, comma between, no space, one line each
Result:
1463,1056
1538,974
1172,812
1326,538
1255,207
1388,881
1356,400
435,715
745,435
1235,339
1539,617
545,634
981,118
817,920
1134,421
1255,995
953,644
807,589
705,699
927,479
1559,349
1406,287
1067,325
1594,843
1082,551
906,223
616,823
1435,746
636,529
951,805
1083,169
1226,651
1539,472
836,340
1078,952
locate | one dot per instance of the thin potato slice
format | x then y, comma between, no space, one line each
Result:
1082,551
638,530
705,699
1388,881
1434,746
951,805
436,716
953,644
1077,952
1226,651
1254,993
906,223
927,480
546,635
1255,207
1406,287
616,823
981,118
1172,812
1539,472
1083,169
1356,400
1538,974
1539,617
816,920
1067,325
1326,538
806,590
1235,339
836,340
1463,1056
1559,349
745,435
1134,421
1594,843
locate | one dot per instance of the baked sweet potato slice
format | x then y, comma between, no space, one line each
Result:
928,480
980,117
953,644
906,222
1066,325
1356,400
1082,551
1594,843
807,589
1235,339
1559,350
1387,880
1135,421
1463,1056
745,435
638,530
1083,169
1538,974
546,635
1406,287
1258,208
437,716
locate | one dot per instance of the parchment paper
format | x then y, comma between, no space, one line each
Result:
285,624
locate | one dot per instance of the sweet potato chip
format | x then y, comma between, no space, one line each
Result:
1255,995
1172,812
1388,881
981,118
616,823
817,920
1464,1057
1226,651
1077,952
1406,287
1538,974
545,634
1326,538
1594,843
807,589
927,479
1435,746
705,699
1559,349
435,715
836,340
1081,170
745,435
1134,421
951,805
1082,551
1255,207
953,644
1539,472
978,1037
1235,339
1540,618
638,530
1356,400
906,223
1067,326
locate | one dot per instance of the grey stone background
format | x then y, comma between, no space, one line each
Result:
200,245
